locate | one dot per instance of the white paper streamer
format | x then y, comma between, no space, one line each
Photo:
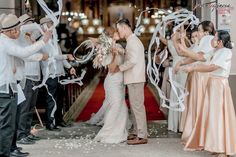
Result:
53,44
20,95
89,55
45,78
50,13
56,20
31,27
137,30
180,17
76,80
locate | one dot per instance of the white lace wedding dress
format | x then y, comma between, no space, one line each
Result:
114,112
98,118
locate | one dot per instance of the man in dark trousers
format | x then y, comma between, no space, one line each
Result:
8,84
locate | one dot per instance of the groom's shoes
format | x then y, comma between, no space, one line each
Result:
137,141
131,136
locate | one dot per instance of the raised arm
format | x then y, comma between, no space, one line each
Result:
201,68
163,40
23,52
36,57
176,45
186,61
182,41
189,53
183,62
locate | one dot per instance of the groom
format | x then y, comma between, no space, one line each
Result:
134,77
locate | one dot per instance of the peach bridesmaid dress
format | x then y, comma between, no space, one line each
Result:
196,86
215,127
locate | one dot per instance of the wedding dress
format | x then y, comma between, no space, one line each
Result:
114,112
98,118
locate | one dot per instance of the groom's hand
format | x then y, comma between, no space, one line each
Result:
117,69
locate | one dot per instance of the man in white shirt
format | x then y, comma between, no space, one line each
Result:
55,69
31,71
8,84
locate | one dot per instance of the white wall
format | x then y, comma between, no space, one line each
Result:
232,33
232,78
207,14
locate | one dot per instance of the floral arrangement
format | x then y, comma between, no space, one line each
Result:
103,48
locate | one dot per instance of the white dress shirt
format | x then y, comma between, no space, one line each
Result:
59,62
222,58
8,50
31,64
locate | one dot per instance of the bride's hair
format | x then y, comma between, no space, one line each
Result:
110,31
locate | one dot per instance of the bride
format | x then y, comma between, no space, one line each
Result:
114,112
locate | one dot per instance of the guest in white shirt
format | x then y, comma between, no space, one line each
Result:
30,69
8,84
55,70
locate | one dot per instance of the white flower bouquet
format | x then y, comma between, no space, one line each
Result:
103,49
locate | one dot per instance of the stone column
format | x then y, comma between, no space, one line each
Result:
105,13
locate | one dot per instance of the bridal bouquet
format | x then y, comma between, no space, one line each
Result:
103,49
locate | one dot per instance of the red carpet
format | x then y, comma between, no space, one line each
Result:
95,102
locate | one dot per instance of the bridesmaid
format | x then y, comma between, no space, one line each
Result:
174,116
216,125
190,81
196,84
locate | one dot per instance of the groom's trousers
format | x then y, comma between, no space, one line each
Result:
138,112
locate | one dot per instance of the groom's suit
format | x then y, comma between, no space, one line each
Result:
134,78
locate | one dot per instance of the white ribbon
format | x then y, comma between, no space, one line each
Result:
52,43
137,30
180,17
20,95
31,27
50,13
89,55
46,76
76,80
179,91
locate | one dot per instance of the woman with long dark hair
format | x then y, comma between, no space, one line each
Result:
196,81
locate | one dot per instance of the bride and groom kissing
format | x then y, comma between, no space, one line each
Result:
126,67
